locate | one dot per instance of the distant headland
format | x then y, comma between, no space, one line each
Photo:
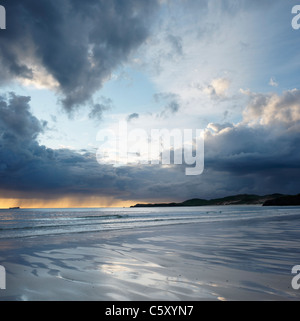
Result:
241,199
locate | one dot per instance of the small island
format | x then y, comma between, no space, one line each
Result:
241,199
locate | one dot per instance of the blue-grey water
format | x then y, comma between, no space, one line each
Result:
20,223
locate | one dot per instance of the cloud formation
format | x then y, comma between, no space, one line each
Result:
99,107
72,45
263,146
272,109
217,88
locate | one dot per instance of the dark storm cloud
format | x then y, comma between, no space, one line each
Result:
27,166
15,117
252,150
79,43
262,150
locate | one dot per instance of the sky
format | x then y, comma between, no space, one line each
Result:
71,70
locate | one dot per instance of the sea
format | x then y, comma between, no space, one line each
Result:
23,223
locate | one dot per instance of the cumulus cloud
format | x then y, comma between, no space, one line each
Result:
262,148
217,88
272,109
219,127
15,117
72,46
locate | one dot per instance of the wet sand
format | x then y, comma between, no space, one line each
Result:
180,263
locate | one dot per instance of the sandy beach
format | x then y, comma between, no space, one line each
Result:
189,262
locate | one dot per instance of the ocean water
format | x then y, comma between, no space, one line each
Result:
21,223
